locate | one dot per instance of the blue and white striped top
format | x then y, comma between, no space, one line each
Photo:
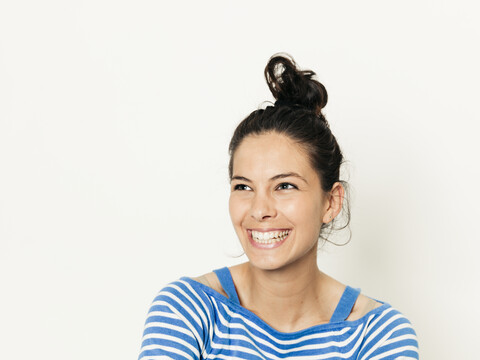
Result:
189,320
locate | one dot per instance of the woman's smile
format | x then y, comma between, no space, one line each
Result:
268,239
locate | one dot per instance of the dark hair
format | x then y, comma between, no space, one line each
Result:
297,114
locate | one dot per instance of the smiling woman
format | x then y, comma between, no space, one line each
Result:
285,192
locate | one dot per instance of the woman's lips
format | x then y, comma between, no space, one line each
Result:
267,238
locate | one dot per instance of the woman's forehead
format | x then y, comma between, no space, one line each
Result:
269,154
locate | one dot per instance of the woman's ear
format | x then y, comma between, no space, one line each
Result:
334,202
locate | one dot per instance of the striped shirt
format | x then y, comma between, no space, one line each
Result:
189,320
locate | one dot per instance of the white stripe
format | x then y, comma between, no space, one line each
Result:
164,325
175,339
238,348
222,356
168,349
161,314
400,338
395,351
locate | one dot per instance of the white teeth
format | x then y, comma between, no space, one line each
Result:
269,237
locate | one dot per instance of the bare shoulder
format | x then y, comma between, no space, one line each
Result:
362,306
211,280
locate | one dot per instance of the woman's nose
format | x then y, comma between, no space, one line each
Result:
263,207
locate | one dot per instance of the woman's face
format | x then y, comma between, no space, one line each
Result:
276,203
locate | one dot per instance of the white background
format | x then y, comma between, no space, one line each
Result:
115,117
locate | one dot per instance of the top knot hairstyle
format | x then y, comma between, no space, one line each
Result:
295,87
297,113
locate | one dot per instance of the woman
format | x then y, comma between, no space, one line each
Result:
285,194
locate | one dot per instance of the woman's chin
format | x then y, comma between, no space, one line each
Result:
266,262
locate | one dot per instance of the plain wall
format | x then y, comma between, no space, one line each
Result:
115,117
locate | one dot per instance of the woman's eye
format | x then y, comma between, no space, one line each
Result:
286,186
241,187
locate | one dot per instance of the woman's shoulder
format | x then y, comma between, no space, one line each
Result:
377,314
191,284
211,281
192,292
362,307
189,299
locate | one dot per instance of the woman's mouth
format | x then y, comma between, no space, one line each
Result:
267,239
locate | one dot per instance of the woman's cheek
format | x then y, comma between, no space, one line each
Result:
238,208
292,208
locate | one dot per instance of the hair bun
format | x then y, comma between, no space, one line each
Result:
292,86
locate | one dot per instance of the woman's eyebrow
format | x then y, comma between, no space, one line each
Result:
276,177
236,177
290,174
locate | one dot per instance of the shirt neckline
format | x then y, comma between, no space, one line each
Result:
260,322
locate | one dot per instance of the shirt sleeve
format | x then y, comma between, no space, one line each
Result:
175,326
390,336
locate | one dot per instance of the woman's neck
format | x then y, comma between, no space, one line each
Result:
292,298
